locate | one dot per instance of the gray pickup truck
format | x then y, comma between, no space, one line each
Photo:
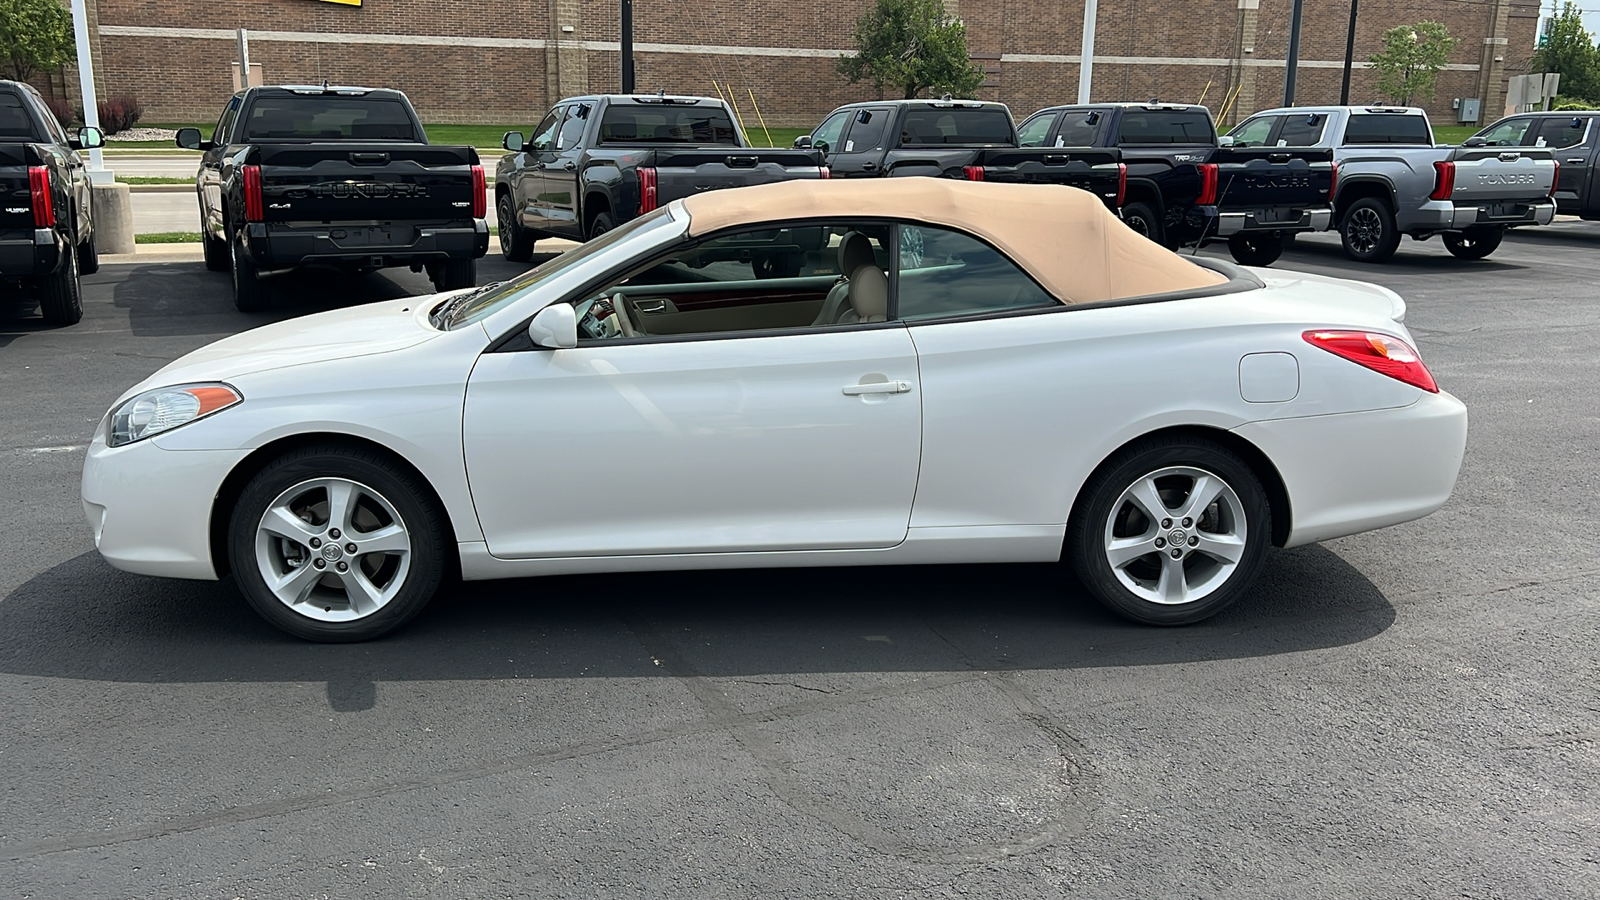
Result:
1394,180
1574,137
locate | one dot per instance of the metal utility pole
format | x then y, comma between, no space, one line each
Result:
1293,63
244,59
1349,55
627,46
1086,61
98,174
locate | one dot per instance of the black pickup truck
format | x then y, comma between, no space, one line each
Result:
955,139
595,162
334,177
47,217
1186,187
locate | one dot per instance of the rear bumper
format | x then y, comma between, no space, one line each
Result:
274,246
26,254
1448,215
1230,223
1355,472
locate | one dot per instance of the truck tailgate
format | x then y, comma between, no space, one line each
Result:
1285,178
1097,171
1499,174
16,197
684,173
342,182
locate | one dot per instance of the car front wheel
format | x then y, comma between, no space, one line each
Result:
1474,243
1171,531
336,544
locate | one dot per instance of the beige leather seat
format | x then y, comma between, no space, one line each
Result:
855,251
869,297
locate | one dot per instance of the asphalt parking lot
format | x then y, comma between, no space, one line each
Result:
1408,713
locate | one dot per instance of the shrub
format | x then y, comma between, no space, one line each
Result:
63,111
1564,104
119,114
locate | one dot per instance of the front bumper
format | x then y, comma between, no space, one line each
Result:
1354,472
26,254
1231,223
1447,215
274,246
150,508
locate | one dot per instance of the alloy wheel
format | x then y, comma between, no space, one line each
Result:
1176,535
333,550
1365,229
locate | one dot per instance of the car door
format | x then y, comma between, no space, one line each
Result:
1571,138
559,171
528,184
861,146
826,136
714,438
1035,131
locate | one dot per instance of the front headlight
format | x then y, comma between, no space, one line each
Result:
164,409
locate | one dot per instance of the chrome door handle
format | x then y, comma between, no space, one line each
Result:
881,387
1576,162
650,306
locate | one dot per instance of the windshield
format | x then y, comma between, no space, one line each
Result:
464,309
321,118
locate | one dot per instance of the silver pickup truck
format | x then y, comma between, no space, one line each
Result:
1394,180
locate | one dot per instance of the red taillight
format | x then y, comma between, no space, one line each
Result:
1122,183
1333,180
1555,178
1379,352
1208,185
647,190
252,194
824,172
973,173
480,200
1444,181
44,207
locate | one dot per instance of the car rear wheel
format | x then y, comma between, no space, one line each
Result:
1368,231
1143,218
601,224
250,292
61,297
516,244
1474,243
1170,531
454,274
1256,249
336,544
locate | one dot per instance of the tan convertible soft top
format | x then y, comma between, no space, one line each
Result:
1064,237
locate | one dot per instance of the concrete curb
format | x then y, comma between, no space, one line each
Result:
161,188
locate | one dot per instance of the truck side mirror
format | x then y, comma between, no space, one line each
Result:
555,327
823,146
189,138
803,142
512,141
1225,141
89,137
1476,140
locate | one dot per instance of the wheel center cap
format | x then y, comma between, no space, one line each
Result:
332,552
1177,537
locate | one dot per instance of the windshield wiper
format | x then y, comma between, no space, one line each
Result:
443,319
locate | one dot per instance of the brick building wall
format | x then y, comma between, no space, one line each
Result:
504,61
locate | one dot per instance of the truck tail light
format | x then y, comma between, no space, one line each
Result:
1122,183
973,173
253,211
1555,178
1379,352
1333,180
647,190
1444,181
1208,185
480,201
44,208
824,173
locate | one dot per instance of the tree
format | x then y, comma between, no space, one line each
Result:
1411,59
35,35
1567,47
912,46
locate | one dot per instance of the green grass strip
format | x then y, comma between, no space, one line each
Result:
168,237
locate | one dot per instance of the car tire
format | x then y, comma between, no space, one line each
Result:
60,295
600,224
454,274
1474,243
250,291
1256,249
516,242
387,513
1221,549
216,251
88,256
1143,219
1368,231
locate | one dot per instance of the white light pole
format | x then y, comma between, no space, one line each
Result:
98,173
1086,62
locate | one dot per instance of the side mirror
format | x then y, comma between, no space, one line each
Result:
89,138
1225,141
189,138
803,142
512,141
821,145
555,327
1476,140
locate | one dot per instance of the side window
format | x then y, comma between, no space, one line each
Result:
751,280
1301,131
1506,134
828,132
544,134
225,123
947,273
57,133
867,127
1560,133
1254,132
1033,132
1078,129
571,129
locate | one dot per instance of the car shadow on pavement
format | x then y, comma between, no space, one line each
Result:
728,623
1423,256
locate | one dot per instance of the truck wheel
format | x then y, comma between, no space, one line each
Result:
602,223
454,274
61,302
250,293
1256,249
1474,243
88,257
516,244
1368,231
1143,218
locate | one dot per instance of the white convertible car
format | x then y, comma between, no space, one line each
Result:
805,374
